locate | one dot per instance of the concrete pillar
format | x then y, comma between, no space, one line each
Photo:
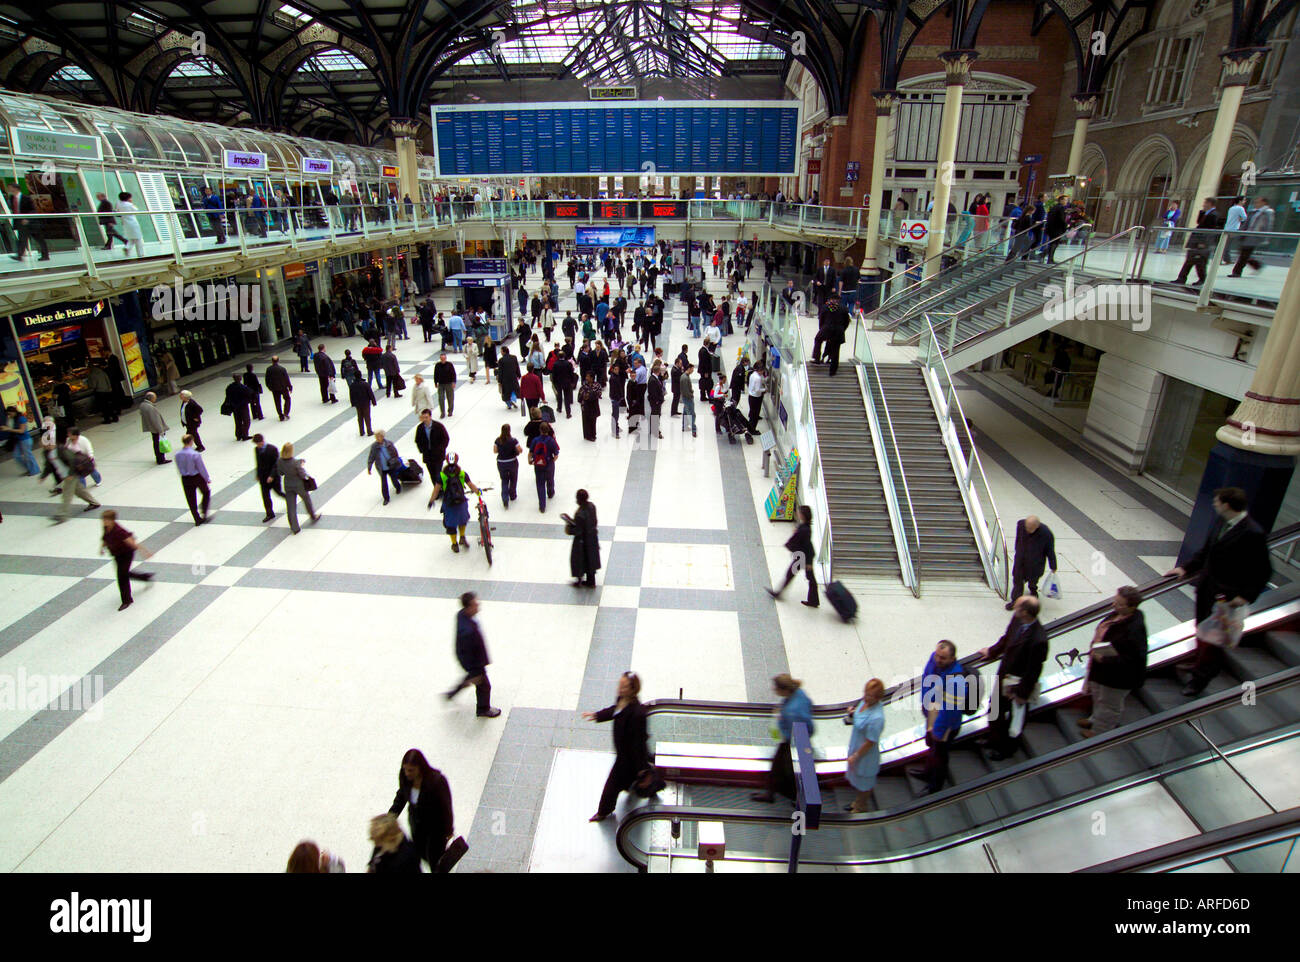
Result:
1258,446
871,272
404,131
1237,65
957,66
1084,105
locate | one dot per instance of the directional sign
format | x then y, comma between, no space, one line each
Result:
1034,159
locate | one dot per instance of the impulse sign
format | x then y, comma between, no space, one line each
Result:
244,160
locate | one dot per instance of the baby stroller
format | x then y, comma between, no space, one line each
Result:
729,421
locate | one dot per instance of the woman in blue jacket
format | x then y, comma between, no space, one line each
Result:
795,706
863,763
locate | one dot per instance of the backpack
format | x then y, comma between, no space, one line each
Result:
454,491
540,456
83,464
974,690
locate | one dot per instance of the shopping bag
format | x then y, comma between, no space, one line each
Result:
164,445
1018,713
1052,586
1223,627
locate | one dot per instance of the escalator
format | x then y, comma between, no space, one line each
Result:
1174,766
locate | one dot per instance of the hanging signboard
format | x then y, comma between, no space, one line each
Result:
244,160
317,165
32,142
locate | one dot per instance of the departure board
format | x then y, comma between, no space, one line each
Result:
637,137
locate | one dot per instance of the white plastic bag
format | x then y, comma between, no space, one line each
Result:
1052,586
1018,713
1223,627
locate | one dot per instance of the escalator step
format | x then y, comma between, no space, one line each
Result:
1251,663
1284,645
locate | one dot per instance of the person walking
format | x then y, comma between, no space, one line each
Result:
372,354
70,484
280,385
795,706
121,544
489,354
1260,222
424,792
654,396
584,555
19,430
302,345
444,378
943,696
800,545
686,389
108,223
1233,223
238,400
867,719
393,370
471,359
532,390
394,853
1035,548
589,403
383,453
450,484
1199,243
1020,651
130,224
152,423
431,440
325,374
508,379
617,387
361,397
471,652
563,380
264,458
421,395
255,386
26,224
195,480
631,736
542,452
1117,661
1232,566
296,480
102,388
191,415
83,456
507,450
837,325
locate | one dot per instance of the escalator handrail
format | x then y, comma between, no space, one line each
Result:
1068,754
1195,849
1065,623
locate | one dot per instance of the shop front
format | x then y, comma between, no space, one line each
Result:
55,345
300,292
198,324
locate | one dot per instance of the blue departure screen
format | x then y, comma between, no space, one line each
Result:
710,137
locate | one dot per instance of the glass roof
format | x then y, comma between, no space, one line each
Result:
335,60
622,41
72,72
198,67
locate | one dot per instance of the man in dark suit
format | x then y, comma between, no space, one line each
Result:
837,326
1035,549
1199,242
265,457
827,280
471,652
1232,565
1022,650
238,400
431,439
191,418
28,228
325,373
280,386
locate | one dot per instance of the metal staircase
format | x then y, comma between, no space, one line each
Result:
948,547
864,542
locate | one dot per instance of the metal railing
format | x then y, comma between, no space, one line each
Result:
909,552
974,485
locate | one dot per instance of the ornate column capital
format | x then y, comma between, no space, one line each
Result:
957,65
1238,64
885,101
1084,105
403,127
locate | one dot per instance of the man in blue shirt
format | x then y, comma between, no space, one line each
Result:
943,696
1233,222
456,324
194,478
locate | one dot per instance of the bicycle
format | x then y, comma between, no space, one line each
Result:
484,527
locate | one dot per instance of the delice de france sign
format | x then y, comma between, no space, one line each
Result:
245,160
316,165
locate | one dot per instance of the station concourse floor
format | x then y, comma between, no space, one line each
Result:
263,689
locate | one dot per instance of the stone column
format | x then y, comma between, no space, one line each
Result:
1084,105
1237,65
871,271
404,131
957,66
1258,446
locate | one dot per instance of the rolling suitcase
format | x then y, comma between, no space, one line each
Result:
845,605
411,473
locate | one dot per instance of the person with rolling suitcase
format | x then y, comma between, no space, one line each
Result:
803,553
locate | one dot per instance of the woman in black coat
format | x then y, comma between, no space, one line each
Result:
394,853
508,378
589,401
584,556
425,790
632,754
